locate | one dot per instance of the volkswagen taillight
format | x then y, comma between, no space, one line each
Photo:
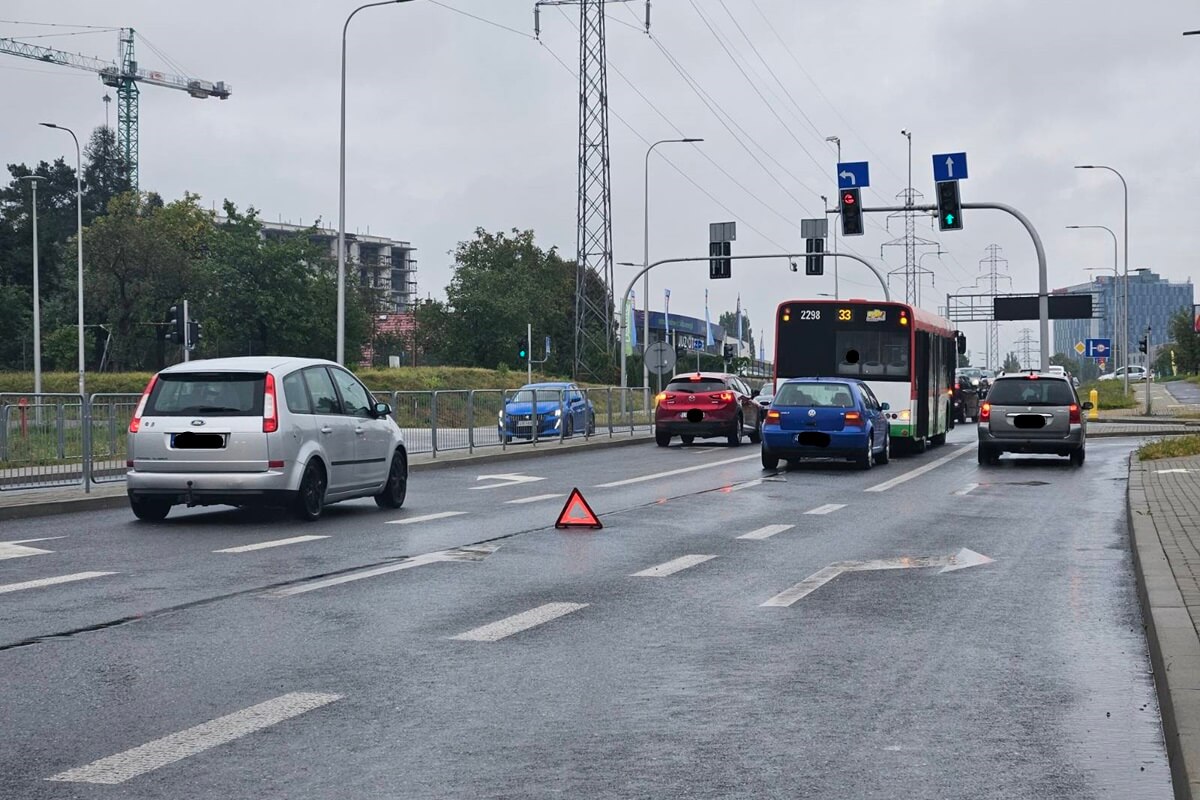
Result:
136,422
772,416
270,407
853,418
985,412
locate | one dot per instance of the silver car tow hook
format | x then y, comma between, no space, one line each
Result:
190,504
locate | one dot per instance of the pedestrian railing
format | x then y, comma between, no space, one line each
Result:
60,439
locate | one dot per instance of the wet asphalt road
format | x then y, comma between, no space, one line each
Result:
1184,392
1025,677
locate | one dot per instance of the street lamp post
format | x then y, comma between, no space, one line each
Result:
37,302
1124,324
646,260
1125,312
838,142
79,242
341,241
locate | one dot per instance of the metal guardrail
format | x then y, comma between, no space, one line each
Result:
55,440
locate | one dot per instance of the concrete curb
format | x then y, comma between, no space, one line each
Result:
1145,421
1137,434
1172,639
103,498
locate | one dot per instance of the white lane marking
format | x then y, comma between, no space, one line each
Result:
14,549
737,487
416,561
507,479
537,498
806,586
966,490
828,508
669,473
246,548
766,532
425,518
498,630
121,767
672,566
908,476
75,576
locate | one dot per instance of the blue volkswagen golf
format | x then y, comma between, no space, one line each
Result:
826,418
562,410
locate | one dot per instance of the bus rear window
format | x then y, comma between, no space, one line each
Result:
210,394
872,353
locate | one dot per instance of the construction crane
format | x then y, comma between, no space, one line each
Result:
123,75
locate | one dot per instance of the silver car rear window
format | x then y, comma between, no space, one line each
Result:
210,394
1030,392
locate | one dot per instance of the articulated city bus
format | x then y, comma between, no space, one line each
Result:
907,356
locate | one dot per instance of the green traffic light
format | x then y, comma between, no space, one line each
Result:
949,219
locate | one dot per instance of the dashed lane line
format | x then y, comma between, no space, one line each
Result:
766,532
670,473
40,582
919,471
501,629
246,548
537,498
121,767
425,518
672,566
828,508
966,490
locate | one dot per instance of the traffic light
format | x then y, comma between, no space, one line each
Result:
852,215
949,206
814,261
1144,344
194,334
522,349
719,264
174,332
728,351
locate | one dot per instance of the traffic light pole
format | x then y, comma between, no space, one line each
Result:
529,357
187,332
1043,281
624,334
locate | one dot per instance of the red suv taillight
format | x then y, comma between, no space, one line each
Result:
723,397
270,407
136,422
985,412
1074,409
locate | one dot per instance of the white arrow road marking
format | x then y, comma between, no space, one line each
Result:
246,548
509,479
914,473
500,629
766,532
966,490
673,472
150,756
672,566
537,498
471,553
75,576
828,508
15,550
961,560
425,518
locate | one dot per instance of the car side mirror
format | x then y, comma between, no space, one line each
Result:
1087,405
885,406
381,410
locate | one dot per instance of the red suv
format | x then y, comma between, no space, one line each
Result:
706,405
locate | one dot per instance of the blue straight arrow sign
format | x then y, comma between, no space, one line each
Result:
949,167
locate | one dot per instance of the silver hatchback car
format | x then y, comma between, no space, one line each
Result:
262,430
1032,412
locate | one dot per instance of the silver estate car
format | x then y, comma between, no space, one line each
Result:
1032,412
273,431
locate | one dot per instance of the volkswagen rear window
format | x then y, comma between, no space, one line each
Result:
208,394
1030,392
693,387
817,395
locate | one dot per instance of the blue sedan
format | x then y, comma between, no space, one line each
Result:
562,409
826,418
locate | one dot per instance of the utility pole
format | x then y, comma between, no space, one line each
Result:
994,262
594,330
1027,347
909,241
836,291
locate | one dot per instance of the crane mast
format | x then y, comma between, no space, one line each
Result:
124,75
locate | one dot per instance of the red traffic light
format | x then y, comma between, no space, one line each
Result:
848,198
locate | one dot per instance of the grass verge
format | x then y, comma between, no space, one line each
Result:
1112,394
1170,447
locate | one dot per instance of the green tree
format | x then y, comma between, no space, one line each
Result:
103,172
1011,363
1186,340
728,323
964,359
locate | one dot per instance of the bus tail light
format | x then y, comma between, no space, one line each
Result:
136,422
270,407
1074,411
985,412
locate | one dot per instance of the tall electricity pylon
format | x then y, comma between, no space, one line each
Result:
992,277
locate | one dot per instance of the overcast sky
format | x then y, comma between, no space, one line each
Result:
454,124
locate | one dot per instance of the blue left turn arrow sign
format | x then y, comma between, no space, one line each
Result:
853,175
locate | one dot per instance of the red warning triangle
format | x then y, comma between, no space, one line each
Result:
578,514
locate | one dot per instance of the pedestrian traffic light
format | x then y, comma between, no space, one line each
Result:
174,331
852,214
522,349
1144,344
949,206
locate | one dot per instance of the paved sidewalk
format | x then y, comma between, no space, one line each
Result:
23,503
1139,427
1164,519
